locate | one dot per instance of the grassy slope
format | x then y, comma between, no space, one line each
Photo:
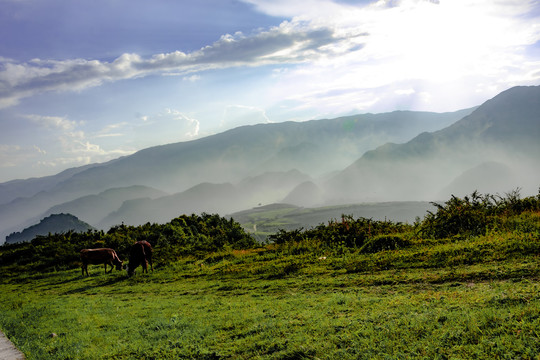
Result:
465,298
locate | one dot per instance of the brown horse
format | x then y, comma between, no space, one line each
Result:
140,254
100,256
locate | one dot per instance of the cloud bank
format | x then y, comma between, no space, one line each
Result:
337,44
291,42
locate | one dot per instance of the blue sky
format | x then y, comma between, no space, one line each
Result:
89,81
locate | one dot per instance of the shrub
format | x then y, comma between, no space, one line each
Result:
384,242
475,214
347,233
184,235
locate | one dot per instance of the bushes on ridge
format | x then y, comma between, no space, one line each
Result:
183,235
475,214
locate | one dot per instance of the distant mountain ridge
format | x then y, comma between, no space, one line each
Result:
14,189
504,129
230,156
54,224
312,148
398,156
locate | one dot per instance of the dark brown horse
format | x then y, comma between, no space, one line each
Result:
140,254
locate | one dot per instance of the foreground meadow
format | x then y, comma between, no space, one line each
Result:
398,296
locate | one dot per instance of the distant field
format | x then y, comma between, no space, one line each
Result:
265,220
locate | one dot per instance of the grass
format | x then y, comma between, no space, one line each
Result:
398,294
269,304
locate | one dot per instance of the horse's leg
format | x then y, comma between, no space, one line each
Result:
145,266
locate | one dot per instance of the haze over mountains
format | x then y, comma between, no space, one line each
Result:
503,133
373,157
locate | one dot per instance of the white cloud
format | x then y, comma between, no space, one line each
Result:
39,150
168,126
291,42
408,91
447,46
189,126
9,155
311,9
112,130
69,139
239,115
336,47
18,159
192,78
52,122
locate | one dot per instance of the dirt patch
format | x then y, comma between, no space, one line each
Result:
8,351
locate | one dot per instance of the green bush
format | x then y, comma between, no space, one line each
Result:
474,215
347,233
192,234
384,242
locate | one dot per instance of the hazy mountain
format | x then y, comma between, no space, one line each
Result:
93,208
501,180
313,148
267,163
56,223
207,197
14,189
269,187
504,129
305,194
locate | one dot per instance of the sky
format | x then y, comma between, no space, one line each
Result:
89,81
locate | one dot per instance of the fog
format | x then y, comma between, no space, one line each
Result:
400,175
360,159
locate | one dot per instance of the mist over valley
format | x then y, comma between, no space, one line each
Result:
402,156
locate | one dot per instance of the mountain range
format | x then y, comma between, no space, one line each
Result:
397,156
504,131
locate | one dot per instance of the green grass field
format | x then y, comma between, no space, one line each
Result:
263,304
465,296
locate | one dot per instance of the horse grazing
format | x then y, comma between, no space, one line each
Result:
100,256
140,254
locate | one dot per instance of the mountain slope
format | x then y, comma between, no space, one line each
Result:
207,197
56,223
249,150
14,189
314,147
500,176
504,129
305,194
93,208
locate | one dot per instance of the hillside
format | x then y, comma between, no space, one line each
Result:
356,159
94,208
235,156
312,147
14,189
504,130
206,197
56,223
